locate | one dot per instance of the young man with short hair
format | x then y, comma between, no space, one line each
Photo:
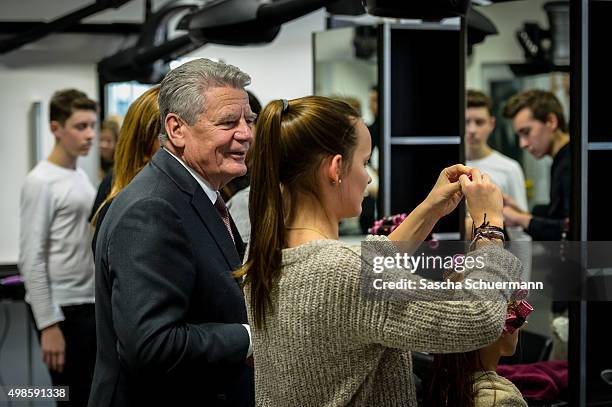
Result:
538,120
504,171
55,257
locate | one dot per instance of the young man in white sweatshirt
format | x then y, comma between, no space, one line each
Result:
504,171
55,257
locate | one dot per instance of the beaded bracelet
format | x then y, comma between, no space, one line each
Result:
488,234
487,231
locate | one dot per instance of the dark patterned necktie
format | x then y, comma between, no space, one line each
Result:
222,209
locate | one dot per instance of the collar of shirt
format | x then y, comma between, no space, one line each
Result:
210,192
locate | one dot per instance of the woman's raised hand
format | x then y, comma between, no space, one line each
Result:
446,193
483,198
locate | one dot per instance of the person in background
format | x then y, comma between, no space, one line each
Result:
469,379
374,127
109,134
538,120
137,144
318,340
238,184
54,256
505,172
238,189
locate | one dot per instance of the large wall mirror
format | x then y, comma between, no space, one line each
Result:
346,67
530,51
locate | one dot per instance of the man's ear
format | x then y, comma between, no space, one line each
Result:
552,121
54,126
175,129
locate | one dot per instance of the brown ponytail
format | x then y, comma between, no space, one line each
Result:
290,145
265,212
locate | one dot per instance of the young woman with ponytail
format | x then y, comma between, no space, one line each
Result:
317,340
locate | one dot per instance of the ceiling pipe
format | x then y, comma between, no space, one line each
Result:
42,30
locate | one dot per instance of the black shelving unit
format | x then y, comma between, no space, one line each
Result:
422,88
591,143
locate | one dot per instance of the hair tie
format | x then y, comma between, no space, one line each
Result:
285,105
516,315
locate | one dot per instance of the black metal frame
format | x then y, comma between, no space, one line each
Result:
39,31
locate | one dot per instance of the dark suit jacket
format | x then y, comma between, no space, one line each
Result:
168,310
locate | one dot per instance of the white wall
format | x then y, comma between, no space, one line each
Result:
339,73
282,69
504,47
348,78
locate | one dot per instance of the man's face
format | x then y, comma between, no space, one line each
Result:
478,126
534,136
77,133
216,145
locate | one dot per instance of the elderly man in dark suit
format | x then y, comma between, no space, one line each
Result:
171,319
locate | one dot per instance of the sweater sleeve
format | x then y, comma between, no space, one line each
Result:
431,323
36,215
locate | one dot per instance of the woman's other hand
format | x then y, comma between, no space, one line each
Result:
446,193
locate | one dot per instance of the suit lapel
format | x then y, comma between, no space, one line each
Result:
202,205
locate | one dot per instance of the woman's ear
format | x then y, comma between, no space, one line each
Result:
334,169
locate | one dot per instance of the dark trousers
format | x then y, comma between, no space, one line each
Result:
79,330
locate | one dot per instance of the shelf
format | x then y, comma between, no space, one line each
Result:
417,141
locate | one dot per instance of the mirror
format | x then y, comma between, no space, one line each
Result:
346,67
505,65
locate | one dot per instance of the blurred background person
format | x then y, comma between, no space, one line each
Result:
538,120
138,142
505,172
539,123
109,134
54,257
236,192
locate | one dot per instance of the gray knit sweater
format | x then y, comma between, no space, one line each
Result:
325,344
493,390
